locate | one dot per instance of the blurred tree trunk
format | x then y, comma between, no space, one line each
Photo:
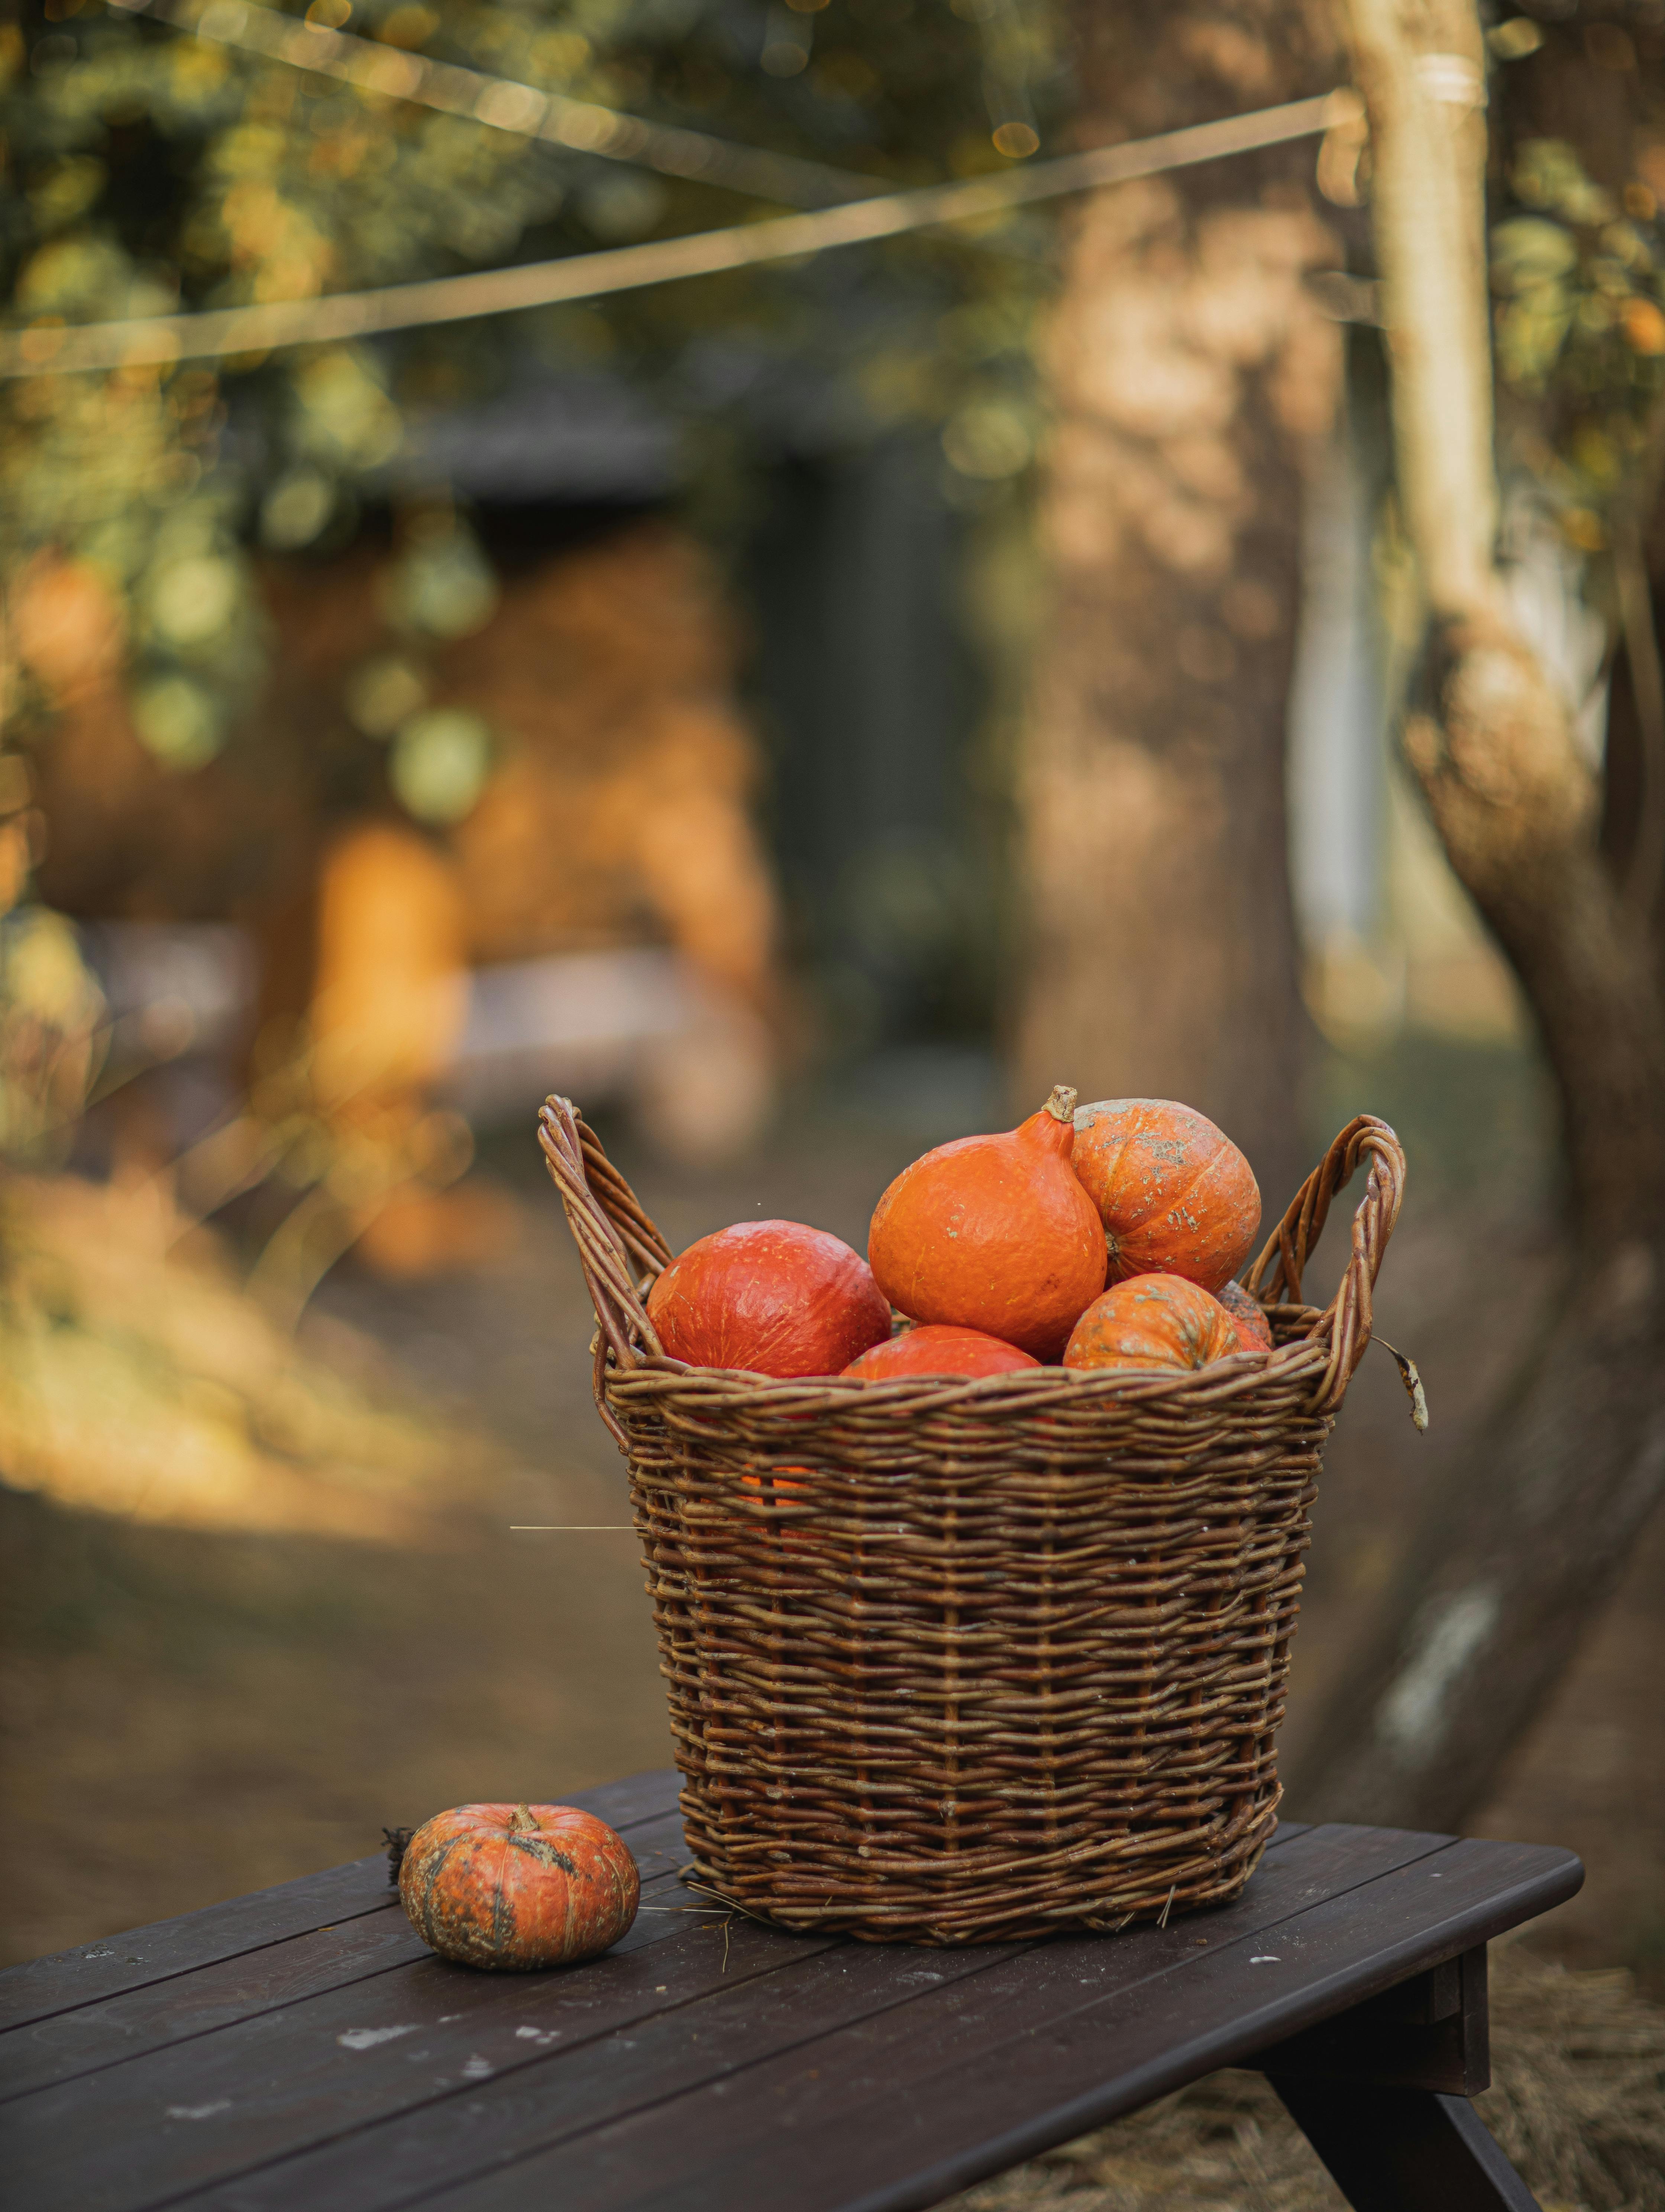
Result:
1192,378
1528,1538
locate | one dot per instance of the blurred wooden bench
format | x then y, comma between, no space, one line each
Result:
300,2048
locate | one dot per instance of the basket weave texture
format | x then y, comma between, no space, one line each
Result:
963,1662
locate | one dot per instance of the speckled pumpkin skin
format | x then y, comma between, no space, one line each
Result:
1254,1329
518,1886
1174,1194
1154,1322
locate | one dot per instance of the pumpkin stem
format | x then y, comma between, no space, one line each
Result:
520,1819
1062,1104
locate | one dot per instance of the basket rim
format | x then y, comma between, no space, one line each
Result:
1133,1385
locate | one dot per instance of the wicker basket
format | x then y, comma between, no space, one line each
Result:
955,1662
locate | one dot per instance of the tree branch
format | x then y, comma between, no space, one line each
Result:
1422,71
1490,736
1636,619
1520,1549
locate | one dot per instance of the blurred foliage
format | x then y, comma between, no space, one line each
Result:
141,1380
1580,329
151,171
1579,282
52,1035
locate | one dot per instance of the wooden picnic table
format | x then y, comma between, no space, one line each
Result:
300,2048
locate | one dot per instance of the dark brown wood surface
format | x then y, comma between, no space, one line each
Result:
301,2048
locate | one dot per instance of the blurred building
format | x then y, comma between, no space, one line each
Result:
526,792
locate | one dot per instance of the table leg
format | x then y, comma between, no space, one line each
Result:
1381,2093
1404,2150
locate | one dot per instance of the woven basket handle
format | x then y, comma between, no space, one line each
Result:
619,1246
1275,1277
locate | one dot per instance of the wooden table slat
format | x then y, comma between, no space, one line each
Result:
64,2044
684,2021
168,1948
897,2113
194,1939
142,2132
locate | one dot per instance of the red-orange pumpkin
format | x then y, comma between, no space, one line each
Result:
1254,1329
994,1233
1159,1322
1175,1195
518,1885
938,1349
773,1297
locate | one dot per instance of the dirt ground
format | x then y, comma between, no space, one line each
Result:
192,1713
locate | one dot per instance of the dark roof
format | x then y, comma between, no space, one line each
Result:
568,438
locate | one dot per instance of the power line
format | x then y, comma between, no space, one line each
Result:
503,103
46,349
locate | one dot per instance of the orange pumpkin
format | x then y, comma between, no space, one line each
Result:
1174,1194
773,1297
1159,1322
780,1488
994,1233
518,1885
938,1349
1254,1329
780,1484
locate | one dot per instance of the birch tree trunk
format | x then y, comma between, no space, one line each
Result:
1541,1512
1192,379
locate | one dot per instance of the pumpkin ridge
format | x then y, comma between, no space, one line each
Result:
502,1913
432,1868
540,1847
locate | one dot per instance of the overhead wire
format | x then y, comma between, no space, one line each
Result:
581,126
49,346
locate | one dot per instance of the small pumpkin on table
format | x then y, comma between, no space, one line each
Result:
518,1886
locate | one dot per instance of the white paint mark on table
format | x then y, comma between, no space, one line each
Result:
540,2036
1267,1958
477,2068
362,2039
198,2112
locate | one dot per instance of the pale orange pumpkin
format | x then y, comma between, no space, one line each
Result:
1154,1322
518,1886
1174,1194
